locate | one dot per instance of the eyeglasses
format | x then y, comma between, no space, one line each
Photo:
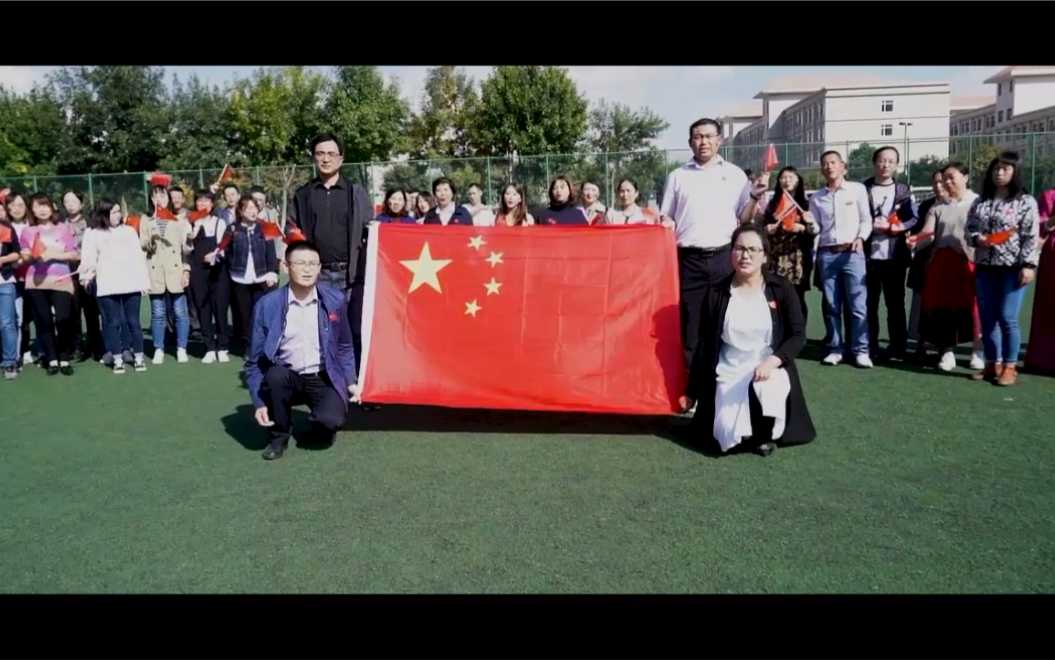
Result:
332,155
753,251
305,265
709,136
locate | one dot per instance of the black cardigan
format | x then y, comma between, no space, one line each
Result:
361,209
789,337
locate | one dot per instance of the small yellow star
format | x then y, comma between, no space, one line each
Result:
492,287
472,308
425,269
476,242
494,259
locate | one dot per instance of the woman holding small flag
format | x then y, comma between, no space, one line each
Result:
791,229
48,247
1003,227
210,281
112,258
164,238
249,250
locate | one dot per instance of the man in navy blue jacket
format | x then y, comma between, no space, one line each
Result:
301,352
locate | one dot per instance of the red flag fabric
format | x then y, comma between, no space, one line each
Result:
559,319
771,159
227,174
195,216
38,248
270,230
166,214
133,222
294,236
160,179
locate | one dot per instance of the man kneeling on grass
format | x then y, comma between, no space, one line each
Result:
301,353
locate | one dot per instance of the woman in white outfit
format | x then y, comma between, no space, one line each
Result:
744,376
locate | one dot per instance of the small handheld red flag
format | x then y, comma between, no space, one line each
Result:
294,236
194,216
227,174
3,195
166,214
771,159
159,179
38,247
270,230
133,222
1001,237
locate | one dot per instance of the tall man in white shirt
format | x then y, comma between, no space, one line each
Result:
704,201
842,211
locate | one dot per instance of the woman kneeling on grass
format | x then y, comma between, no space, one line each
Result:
111,255
743,374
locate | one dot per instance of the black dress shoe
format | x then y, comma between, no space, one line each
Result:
766,448
271,453
52,369
67,370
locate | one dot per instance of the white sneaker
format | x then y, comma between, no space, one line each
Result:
119,366
181,355
948,362
977,362
140,362
863,361
159,356
209,358
27,358
223,356
833,359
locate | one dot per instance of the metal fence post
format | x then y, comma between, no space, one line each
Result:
487,193
1032,163
970,157
201,178
91,191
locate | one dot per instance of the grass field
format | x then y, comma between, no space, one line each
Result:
919,482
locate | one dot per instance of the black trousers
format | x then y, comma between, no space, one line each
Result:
246,296
698,268
355,319
801,292
284,388
210,296
55,332
886,278
85,304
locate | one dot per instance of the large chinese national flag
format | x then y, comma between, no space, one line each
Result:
555,318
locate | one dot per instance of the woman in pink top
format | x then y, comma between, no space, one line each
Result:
1040,355
48,247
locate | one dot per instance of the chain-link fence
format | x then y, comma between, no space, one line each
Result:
648,169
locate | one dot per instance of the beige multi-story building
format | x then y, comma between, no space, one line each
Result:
1024,104
805,117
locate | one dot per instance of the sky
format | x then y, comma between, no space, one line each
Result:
679,94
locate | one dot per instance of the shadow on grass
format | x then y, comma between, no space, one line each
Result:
242,427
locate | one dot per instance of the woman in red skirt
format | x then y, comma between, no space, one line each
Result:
949,314
1040,354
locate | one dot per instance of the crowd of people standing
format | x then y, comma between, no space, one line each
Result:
966,256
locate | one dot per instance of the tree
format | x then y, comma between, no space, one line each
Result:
921,172
32,132
448,105
368,116
617,136
274,116
528,110
116,117
199,128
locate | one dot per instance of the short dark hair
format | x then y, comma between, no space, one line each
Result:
76,193
706,121
1015,188
231,185
832,152
205,193
174,188
875,154
958,166
296,246
100,217
257,189
751,228
442,180
324,137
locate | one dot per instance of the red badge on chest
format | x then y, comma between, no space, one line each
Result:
333,317
772,304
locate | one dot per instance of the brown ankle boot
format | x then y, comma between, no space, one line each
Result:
1008,376
990,374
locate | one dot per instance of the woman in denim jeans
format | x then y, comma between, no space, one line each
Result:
164,238
9,257
1002,226
251,259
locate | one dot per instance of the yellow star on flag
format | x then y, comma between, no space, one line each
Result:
425,269
472,308
492,287
494,259
476,242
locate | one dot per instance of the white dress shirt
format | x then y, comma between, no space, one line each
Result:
300,347
705,202
843,215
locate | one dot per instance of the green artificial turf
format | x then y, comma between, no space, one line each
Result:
919,482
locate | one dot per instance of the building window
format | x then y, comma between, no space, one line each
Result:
999,89
1051,125
888,106
955,130
1009,114
1011,87
1000,116
886,129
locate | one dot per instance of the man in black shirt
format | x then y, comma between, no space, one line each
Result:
334,213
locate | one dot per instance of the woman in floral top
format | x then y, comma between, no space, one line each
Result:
1002,226
791,231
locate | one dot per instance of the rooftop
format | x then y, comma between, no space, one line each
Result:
749,110
810,85
970,102
1010,72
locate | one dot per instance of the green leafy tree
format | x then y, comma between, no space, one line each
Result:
199,129
32,132
619,142
442,128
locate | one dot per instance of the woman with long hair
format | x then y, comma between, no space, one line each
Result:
112,260
627,211
1040,354
562,208
423,203
949,310
164,238
395,209
84,301
920,258
792,230
743,374
252,262
1003,227
18,215
210,281
511,211
48,247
